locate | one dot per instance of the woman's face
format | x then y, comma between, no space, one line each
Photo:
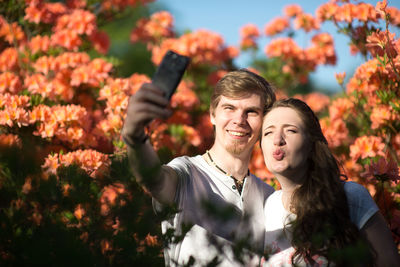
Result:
284,142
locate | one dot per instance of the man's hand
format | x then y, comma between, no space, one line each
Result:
146,104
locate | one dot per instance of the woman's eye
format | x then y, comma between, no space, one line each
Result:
267,133
292,130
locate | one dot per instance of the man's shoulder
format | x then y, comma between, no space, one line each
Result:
185,160
259,183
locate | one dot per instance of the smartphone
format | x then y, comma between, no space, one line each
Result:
170,71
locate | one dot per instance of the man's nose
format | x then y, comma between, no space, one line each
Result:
240,118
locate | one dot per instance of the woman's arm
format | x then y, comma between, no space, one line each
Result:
379,237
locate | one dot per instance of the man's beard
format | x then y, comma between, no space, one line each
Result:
236,147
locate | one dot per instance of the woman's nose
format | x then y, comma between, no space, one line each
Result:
278,139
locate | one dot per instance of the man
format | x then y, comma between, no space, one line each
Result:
215,193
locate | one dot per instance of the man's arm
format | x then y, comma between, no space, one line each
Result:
147,104
379,237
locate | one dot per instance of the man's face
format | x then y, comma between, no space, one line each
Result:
237,123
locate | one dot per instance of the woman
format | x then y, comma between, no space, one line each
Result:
316,218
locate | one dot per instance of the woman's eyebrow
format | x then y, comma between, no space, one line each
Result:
284,126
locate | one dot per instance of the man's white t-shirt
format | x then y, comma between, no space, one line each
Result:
209,201
277,242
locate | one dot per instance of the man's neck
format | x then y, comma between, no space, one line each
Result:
236,165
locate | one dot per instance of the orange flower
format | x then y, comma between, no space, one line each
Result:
44,64
113,87
96,164
151,241
283,47
335,132
364,12
367,146
8,59
38,84
105,245
257,165
40,113
179,117
306,22
9,140
380,115
44,12
340,77
79,212
202,46
340,107
120,4
322,50
382,170
10,82
51,164
70,60
27,187
345,13
380,43
66,38
214,77
276,26
292,10
96,72
249,34
381,8
160,25
352,170
249,31
394,16
39,44
191,135
317,101
101,41
184,97
326,11
11,32
109,197
73,4
34,14
137,80
78,21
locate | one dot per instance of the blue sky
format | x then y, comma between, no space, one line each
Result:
226,17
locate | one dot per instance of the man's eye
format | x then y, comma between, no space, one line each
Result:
292,130
252,112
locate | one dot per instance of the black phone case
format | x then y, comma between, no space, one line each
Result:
170,71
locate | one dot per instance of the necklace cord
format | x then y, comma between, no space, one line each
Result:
239,184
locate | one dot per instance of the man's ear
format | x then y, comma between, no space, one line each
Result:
212,118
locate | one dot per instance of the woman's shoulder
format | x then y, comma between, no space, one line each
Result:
274,198
361,204
352,188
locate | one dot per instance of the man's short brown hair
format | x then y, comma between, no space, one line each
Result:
242,83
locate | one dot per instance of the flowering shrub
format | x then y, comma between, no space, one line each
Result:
64,177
